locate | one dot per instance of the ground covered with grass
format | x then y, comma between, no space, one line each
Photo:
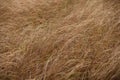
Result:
59,39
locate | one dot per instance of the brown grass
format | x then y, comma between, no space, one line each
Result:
59,39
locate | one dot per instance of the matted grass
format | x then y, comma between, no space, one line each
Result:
59,40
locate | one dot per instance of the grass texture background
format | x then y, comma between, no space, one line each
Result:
59,39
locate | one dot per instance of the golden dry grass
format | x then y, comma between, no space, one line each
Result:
59,39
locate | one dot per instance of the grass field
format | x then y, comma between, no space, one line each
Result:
59,39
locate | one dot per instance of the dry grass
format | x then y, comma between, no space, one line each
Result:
59,39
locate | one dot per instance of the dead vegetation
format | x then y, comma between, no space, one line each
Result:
59,39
